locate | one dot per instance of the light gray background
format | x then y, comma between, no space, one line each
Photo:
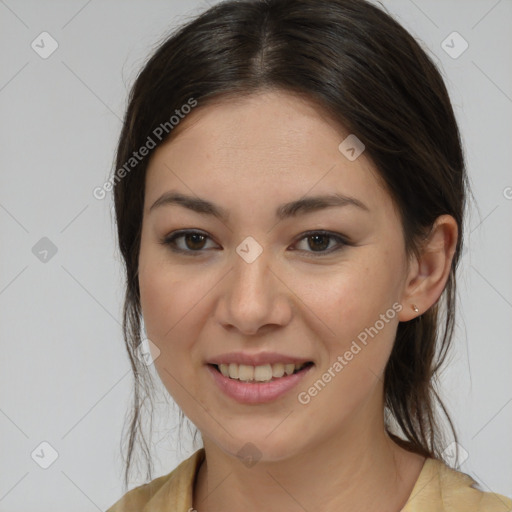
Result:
64,375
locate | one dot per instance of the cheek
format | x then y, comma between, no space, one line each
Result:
160,290
157,303
357,344
357,320
166,303
167,295
354,295
174,307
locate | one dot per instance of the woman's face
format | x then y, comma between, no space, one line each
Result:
257,288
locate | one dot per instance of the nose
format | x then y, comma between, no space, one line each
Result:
253,298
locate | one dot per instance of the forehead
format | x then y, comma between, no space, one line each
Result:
272,143
276,121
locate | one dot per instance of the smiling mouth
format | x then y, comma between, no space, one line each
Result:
263,373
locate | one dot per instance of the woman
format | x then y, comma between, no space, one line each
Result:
290,195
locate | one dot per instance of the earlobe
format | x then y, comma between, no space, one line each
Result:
428,275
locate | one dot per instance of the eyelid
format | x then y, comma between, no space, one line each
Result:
342,241
169,239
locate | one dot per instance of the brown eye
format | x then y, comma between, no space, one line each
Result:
194,241
190,242
320,242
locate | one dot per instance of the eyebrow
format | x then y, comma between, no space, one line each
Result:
291,209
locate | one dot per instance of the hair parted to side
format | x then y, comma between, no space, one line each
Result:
363,70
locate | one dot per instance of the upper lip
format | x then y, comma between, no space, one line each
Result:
259,359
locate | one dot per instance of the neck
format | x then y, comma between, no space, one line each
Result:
359,469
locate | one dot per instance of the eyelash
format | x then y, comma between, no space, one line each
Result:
170,242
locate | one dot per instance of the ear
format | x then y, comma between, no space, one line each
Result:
429,272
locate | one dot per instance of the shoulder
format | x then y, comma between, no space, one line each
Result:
174,488
442,488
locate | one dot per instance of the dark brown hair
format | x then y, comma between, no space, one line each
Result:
369,74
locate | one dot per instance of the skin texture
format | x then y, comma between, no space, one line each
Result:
249,156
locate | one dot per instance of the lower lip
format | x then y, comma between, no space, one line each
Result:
257,392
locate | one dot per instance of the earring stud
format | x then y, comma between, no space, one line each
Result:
415,308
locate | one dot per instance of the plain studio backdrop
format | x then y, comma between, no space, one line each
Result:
65,382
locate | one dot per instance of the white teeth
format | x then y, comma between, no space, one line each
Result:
289,369
262,373
277,370
245,372
233,371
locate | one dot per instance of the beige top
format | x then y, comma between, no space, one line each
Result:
438,489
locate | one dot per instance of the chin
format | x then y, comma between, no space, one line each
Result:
257,445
